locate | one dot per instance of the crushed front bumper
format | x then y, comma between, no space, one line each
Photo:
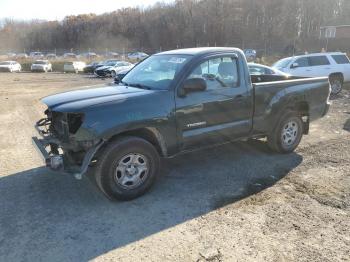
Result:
54,161
50,150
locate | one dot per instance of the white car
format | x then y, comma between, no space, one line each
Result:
137,56
258,69
74,67
111,69
51,56
335,65
41,66
11,55
21,56
36,55
69,55
10,66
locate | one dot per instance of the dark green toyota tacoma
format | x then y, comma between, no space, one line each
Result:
170,103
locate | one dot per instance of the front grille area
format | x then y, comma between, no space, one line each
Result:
58,123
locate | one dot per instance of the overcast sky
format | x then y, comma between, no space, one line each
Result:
58,9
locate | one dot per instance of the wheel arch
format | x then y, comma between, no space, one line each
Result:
150,134
302,108
337,74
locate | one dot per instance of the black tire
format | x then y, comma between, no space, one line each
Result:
113,74
106,174
280,142
337,83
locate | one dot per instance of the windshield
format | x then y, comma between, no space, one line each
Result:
156,72
282,63
40,63
5,63
111,63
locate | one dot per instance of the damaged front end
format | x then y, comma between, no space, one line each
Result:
62,143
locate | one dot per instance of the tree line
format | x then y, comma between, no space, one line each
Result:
269,25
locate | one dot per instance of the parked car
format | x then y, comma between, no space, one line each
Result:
120,75
111,69
168,104
41,66
69,55
262,73
11,55
36,55
10,66
90,68
74,67
89,55
21,56
112,54
137,56
250,54
335,65
258,69
51,56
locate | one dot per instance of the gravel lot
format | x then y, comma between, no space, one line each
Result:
238,202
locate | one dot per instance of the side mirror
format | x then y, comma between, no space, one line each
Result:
118,78
193,85
294,65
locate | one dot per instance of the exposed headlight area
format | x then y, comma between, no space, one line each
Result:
62,125
75,120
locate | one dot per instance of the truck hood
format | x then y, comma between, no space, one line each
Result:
77,101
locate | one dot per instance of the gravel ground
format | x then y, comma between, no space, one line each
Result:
238,202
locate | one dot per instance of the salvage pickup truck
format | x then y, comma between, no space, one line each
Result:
171,103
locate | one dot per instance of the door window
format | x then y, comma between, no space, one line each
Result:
218,73
318,60
302,62
341,59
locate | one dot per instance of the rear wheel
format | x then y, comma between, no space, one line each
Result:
127,168
336,82
287,134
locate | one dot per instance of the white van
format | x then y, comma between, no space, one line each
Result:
74,67
334,65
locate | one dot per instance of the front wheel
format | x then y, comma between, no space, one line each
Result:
287,134
127,168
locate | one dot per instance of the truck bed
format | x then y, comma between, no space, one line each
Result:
271,98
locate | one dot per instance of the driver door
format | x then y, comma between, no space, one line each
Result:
220,113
